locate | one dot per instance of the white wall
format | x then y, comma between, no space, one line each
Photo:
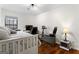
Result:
65,16
22,18
0,17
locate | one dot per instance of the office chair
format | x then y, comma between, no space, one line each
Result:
34,30
51,38
54,32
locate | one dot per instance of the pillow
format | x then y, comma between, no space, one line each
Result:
6,29
12,31
4,34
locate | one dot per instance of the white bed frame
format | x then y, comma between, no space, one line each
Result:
22,45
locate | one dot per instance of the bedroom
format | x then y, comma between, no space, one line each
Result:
49,15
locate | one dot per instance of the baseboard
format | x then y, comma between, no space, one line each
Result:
75,49
71,48
57,43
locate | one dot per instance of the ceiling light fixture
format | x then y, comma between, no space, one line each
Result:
32,7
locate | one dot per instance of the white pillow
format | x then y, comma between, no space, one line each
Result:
6,29
4,34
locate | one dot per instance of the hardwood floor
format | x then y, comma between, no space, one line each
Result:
46,48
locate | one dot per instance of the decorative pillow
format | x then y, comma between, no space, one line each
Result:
12,31
5,29
4,34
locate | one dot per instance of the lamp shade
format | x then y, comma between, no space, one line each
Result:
65,30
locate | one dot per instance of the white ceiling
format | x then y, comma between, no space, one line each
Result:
22,8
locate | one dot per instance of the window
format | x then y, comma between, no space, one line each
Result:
11,22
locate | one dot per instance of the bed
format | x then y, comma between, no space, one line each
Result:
20,43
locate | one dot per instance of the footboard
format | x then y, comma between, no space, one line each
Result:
25,45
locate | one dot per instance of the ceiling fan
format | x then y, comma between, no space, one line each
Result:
31,6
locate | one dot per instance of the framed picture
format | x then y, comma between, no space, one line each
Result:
11,22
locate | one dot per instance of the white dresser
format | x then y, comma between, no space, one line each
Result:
65,44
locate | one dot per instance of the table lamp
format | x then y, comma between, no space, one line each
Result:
65,32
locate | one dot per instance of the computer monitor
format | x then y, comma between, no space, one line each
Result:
29,27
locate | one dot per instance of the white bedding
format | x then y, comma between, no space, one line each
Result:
20,34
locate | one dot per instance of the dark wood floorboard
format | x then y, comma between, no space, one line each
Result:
46,48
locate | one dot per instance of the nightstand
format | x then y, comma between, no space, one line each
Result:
65,45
